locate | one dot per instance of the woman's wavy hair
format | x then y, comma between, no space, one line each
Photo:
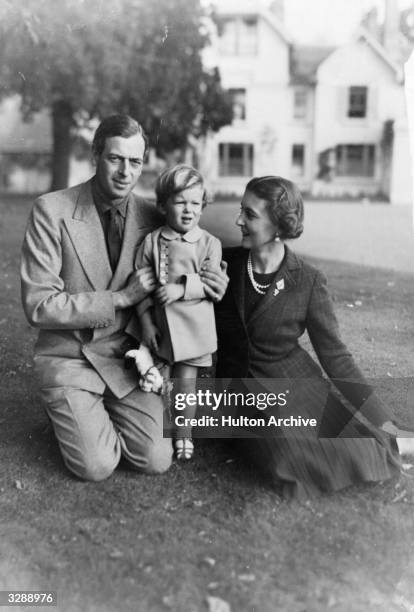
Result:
285,204
176,179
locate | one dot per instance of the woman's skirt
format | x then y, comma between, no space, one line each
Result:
340,448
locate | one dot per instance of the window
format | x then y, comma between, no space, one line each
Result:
357,102
235,159
238,36
300,104
239,103
355,160
228,37
247,36
298,160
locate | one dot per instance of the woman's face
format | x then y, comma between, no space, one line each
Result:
255,223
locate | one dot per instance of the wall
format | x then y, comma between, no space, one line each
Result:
265,76
354,64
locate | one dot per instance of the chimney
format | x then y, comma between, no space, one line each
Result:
370,22
278,9
391,28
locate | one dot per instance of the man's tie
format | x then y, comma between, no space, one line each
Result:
114,236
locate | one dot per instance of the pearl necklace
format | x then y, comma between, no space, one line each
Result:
256,286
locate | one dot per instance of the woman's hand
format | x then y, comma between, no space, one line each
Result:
215,281
390,428
169,293
404,437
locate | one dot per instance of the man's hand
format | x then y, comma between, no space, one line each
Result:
139,285
215,281
169,293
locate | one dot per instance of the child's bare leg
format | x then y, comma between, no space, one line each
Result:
185,382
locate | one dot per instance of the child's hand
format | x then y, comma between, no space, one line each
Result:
169,293
150,335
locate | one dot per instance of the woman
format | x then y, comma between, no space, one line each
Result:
272,298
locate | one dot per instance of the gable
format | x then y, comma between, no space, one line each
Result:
357,62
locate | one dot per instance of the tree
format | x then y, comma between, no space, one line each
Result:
84,59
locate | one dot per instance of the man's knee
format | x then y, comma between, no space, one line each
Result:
140,423
159,456
87,439
152,457
95,470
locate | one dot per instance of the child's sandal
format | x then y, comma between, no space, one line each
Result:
184,449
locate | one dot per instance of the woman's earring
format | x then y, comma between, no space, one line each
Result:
276,238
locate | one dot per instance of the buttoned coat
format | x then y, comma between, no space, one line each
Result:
187,326
67,285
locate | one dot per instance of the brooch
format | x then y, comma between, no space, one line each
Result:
280,285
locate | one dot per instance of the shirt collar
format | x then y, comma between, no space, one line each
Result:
103,203
192,236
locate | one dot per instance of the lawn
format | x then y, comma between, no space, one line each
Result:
213,528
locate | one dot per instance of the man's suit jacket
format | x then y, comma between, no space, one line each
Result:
266,345
67,285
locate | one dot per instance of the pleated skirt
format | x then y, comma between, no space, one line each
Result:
342,450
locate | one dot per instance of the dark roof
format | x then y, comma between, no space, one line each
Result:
304,62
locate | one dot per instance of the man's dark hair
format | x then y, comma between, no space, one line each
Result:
117,125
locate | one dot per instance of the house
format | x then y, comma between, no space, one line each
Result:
360,136
26,151
332,120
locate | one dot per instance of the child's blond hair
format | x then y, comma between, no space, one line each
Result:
174,180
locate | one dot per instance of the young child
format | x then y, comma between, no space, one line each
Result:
178,320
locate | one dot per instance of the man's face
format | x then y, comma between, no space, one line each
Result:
119,166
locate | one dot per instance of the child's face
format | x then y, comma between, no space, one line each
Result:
183,210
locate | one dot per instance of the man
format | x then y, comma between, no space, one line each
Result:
77,288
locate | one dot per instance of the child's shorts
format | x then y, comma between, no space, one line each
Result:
204,361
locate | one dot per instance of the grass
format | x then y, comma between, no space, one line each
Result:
215,527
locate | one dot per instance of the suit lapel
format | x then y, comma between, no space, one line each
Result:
274,298
88,239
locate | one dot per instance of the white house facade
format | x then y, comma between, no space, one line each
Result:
333,120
